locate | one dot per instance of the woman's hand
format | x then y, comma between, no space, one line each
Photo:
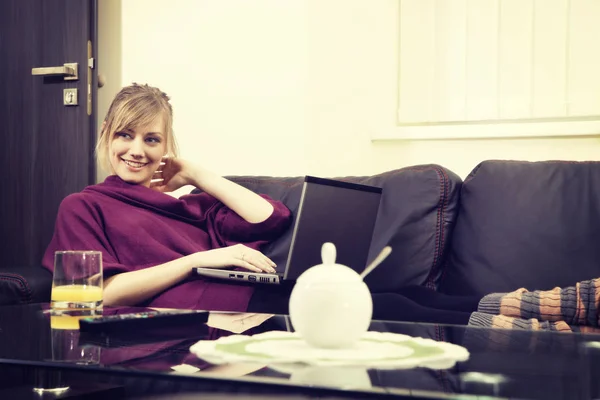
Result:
172,174
238,256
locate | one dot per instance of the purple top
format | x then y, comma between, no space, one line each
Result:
136,227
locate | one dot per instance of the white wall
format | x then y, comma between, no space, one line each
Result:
110,61
291,87
236,73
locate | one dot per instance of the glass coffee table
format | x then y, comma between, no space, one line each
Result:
37,352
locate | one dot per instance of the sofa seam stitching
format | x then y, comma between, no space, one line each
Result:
428,280
24,289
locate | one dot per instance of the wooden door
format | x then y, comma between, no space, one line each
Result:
46,148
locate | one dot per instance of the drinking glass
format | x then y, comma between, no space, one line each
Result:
77,281
65,341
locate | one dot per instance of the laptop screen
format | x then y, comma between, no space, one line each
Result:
326,210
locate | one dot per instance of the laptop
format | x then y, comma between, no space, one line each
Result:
323,210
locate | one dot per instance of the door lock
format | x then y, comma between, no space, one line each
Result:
70,97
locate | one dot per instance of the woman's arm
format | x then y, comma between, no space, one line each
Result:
131,288
242,201
176,173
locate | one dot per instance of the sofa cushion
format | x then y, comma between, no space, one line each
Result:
525,224
416,217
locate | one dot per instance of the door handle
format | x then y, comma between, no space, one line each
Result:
68,71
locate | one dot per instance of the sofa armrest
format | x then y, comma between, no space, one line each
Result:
23,285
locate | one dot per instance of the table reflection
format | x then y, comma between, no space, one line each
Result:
503,363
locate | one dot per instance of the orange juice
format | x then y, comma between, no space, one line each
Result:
64,322
76,296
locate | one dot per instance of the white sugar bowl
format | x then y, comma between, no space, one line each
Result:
330,305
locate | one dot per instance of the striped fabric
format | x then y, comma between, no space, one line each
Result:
573,308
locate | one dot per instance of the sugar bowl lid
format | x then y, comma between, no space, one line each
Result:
329,271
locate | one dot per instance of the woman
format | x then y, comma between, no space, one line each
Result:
150,241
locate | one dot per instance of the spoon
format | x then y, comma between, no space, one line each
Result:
378,260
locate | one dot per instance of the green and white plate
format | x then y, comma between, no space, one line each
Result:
380,350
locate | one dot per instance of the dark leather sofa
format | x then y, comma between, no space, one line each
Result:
509,224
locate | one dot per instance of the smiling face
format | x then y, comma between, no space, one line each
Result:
135,154
136,133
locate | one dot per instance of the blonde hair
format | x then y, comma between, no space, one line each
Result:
135,106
